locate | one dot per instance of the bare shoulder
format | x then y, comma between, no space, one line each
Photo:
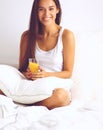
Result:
68,37
68,34
25,34
24,39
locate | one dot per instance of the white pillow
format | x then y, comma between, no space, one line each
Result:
21,90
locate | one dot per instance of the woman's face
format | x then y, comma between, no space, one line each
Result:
47,11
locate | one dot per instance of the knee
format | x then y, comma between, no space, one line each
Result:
62,96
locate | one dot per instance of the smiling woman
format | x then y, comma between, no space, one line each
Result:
47,12
50,45
50,42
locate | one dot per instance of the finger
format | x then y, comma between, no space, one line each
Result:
34,78
28,70
41,69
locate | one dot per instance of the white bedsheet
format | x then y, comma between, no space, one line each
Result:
76,116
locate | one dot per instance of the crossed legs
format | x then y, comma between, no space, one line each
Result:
59,98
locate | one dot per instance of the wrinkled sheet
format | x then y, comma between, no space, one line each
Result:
77,116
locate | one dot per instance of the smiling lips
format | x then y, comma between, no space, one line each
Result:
46,18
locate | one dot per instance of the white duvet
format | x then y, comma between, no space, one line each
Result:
76,116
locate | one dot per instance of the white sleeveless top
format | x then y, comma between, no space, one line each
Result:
52,60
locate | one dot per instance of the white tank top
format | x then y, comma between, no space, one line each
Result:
52,60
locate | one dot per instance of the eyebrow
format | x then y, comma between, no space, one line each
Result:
43,7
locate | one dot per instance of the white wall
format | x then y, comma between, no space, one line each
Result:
14,19
83,14
78,15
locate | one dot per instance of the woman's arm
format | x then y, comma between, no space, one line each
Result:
68,52
23,47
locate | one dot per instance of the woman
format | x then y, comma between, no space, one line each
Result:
51,46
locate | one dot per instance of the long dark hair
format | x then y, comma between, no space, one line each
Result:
35,29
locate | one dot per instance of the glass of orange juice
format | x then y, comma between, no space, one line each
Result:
33,66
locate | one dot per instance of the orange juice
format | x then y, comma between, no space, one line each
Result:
33,66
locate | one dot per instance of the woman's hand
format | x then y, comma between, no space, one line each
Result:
35,75
40,74
27,74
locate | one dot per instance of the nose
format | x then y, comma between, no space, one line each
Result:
46,12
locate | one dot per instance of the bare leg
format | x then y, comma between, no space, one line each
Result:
59,98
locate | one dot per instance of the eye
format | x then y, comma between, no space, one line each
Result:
40,9
51,8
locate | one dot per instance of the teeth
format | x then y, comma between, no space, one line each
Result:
46,18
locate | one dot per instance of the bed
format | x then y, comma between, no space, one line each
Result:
86,109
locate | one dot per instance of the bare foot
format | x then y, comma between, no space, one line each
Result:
1,93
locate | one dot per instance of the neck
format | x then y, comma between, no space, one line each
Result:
49,31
